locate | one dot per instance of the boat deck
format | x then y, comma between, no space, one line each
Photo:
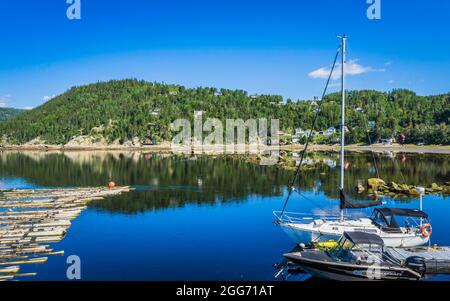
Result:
428,253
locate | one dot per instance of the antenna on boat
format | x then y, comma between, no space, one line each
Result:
342,156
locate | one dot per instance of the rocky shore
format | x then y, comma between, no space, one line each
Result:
380,187
92,144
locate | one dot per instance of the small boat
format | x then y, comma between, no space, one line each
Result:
358,256
414,230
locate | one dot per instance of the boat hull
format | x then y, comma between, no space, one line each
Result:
350,272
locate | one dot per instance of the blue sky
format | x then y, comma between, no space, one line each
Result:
259,46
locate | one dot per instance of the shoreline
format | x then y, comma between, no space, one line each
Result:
220,149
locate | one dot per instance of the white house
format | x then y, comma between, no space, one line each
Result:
299,131
331,130
387,141
155,112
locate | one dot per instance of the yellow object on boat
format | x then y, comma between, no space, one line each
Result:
326,245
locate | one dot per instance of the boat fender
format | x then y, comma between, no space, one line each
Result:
426,230
417,264
111,185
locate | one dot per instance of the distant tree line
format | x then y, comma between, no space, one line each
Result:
8,113
126,109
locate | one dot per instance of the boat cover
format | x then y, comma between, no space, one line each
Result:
346,203
364,238
402,212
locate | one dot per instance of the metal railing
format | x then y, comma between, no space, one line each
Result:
296,217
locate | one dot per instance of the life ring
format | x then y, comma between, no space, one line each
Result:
426,230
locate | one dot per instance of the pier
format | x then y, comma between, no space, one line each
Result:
31,220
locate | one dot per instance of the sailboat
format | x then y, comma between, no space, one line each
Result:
397,227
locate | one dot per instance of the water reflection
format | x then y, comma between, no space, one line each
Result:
204,207
170,181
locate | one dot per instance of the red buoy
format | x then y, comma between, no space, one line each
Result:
111,185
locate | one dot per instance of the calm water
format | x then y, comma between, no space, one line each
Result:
201,218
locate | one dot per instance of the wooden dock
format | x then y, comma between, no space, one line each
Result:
32,219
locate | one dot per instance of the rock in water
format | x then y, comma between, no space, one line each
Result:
404,187
374,183
393,186
436,187
413,192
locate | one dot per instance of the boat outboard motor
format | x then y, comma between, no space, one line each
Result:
417,264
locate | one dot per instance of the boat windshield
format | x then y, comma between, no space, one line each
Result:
341,250
348,251
396,222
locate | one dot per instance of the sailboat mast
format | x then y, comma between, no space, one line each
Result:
342,156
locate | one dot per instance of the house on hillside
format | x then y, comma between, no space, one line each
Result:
330,131
387,141
147,141
307,133
155,112
299,131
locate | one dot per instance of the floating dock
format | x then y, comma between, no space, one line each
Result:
32,219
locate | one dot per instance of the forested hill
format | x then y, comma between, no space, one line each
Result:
122,110
7,113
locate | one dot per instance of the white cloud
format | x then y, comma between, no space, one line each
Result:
4,100
352,68
388,63
28,108
47,98
391,81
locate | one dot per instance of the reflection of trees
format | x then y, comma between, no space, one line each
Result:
174,181
171,181
412,169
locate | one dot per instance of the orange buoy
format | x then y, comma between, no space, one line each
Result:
111,185
426,230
